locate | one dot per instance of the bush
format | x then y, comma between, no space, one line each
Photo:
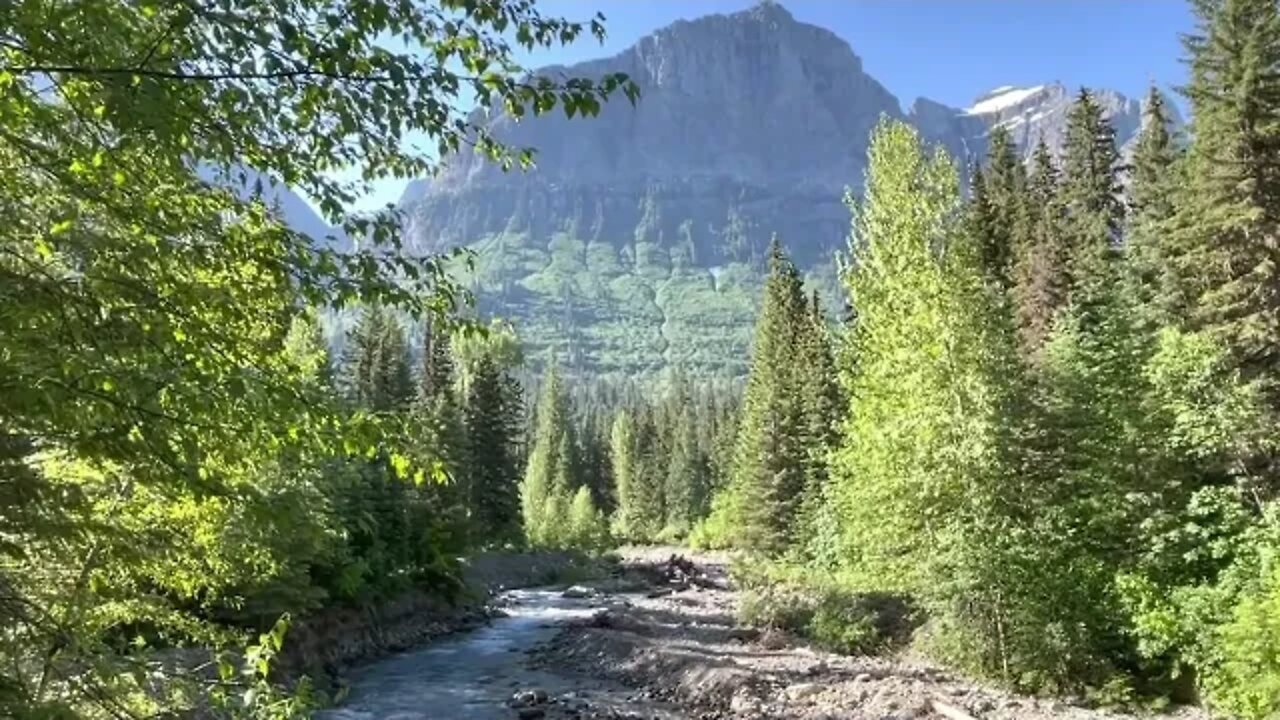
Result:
1246,683
861,623
713,532
782,607
823,608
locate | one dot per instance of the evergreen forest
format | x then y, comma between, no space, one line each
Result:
1033,440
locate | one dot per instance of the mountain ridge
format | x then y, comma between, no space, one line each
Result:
638,240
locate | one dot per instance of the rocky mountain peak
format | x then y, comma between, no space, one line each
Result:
754,95
639,240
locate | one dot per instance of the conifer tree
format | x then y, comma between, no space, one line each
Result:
492,421
1229,208
1091,199
1041,279
648,484
306,347
549,476
768,475
995,206
377,375
597,469
436,378
685,494
823,405
587,527
1151,205
622,457
439,429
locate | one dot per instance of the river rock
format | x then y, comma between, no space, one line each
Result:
579,592
818,668
529,698
744,704
803,691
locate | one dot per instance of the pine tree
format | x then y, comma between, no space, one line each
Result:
1091,198
597,469
1151,205
376,365
768,476
1228,214
622,456
686,492
648,483
439,429
549,476
995,206
1041,280
437,376
823,405
492,420
587,528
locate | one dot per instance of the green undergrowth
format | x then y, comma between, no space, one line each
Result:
823,608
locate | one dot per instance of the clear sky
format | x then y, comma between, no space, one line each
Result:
947,50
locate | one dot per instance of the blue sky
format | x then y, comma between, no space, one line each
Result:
947,50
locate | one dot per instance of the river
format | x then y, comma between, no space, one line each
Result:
472,675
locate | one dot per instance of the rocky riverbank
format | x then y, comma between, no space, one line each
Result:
677,645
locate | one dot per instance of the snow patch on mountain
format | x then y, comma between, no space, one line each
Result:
1002,98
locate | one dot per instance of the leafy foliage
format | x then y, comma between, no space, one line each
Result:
177,468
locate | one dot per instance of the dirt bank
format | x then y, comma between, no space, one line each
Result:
677,645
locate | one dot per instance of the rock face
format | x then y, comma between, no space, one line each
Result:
638,241
1029,114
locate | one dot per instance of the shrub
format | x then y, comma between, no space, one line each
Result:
823,608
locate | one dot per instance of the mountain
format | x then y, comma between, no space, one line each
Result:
638,241
289,207
1028,114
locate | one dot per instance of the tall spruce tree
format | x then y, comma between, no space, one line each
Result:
648,488
622,457
306,347
686,490
995,206
597,468
823,406
1150,197
1228,214
492,420
436,379
1040,272
768,475
1091,198
376,365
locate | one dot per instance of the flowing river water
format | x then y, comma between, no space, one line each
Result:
471,676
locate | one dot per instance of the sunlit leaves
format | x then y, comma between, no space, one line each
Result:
145,314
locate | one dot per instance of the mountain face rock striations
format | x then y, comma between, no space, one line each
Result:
638,241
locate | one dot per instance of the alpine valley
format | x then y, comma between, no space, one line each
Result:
638,241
